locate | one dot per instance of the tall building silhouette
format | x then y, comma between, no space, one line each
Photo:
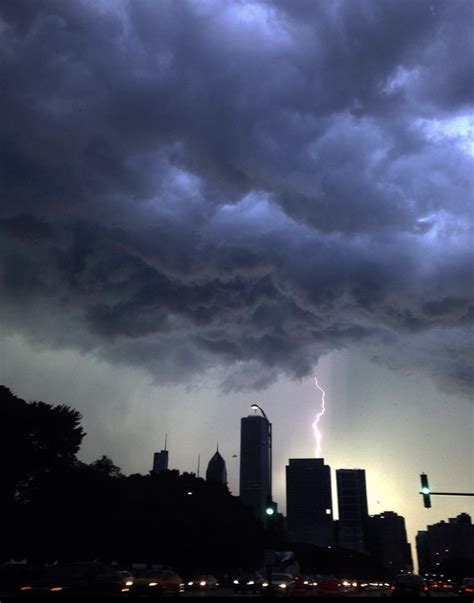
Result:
309,501
387,539
216,469
445,544
255,462
353,510
423,552
160,459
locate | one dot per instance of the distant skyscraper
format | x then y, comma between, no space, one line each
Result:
353,510
216,469
387,539
255,462
309,502
160,461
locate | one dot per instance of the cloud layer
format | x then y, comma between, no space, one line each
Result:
240,186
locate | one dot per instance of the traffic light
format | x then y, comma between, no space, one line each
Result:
425,490
270,510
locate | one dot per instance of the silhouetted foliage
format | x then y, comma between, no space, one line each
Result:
66,509
35,438
105,466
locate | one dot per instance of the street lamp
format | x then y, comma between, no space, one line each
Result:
269,428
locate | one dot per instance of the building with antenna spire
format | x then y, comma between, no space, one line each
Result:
160,459
216,469
256,461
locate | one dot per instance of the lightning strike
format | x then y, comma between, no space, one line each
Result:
317,433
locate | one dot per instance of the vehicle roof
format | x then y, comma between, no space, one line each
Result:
408,578
148,573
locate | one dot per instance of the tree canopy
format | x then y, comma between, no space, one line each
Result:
35,438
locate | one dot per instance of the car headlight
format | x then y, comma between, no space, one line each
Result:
236,581
153,584
129,583
250,582
265,584
282,585
203,583
190,583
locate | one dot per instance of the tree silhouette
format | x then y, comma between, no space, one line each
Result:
35,438
61,508
105,466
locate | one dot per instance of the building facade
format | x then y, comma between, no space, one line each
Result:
353,509
309,502
387,542
160,461
255,462
445,545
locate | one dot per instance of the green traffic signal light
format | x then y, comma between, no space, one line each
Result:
269,511
425,490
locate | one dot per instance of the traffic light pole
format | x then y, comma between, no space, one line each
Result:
427,493
451,493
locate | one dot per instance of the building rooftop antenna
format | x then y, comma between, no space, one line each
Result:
166,440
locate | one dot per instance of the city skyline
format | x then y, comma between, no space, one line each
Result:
209,204
381,484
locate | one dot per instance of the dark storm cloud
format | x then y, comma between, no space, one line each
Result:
238,185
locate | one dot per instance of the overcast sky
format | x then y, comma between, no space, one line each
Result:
207,203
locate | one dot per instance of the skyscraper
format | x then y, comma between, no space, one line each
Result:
353,510
216,469
445,544
388,542
160,461
309,501
255,462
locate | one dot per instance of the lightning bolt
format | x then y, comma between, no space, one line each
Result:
317,433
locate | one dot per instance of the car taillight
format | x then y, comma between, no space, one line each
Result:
392,588
25,588
56,589
469,589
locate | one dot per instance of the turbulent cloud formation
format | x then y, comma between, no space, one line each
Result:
240,186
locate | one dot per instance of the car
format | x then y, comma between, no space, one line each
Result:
410,585
438,586
58,579
250,582
203,582
156,582
467,587
305,584
280,584
111,581
328,585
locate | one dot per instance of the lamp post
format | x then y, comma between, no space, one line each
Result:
269,428
270,553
